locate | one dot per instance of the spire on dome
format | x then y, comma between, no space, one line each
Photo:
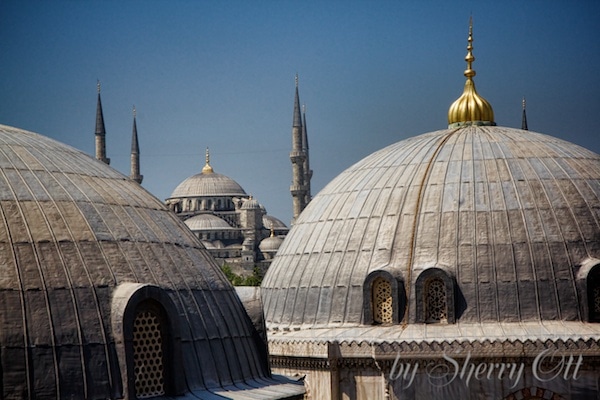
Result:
207,168
135,152
470,108
524,119
100,131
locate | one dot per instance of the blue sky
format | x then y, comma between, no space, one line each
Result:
221,74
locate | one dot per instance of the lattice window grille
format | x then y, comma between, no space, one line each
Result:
147,355
596,297
382,301
436,307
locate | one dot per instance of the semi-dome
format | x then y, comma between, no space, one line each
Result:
207,222
251,204
93,267
509,215
272,222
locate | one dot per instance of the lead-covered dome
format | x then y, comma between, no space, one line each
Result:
506,218
95,273
208,184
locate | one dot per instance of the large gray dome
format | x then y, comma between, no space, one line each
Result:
88,258
208,184
509,215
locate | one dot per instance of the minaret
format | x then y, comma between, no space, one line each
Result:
135,153
307,171
100,132
470,108
524,119
298,157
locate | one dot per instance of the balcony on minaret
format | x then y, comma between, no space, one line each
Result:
297,190
297,156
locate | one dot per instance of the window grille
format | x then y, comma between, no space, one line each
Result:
435,301
593,291
148,355
382,301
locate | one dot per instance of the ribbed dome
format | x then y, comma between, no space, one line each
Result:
80,245
270,244
272,222
251,204
208,184
510,214
204,222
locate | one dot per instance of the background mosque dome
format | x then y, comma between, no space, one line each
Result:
89,262
204,222
251,204
506,215
211,184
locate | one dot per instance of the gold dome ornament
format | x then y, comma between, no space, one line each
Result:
207,169
470,108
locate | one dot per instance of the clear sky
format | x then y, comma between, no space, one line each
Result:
221,74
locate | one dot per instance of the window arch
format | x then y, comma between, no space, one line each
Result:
148,343
435,290
593,293
383,298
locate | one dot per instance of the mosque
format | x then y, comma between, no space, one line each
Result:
458,264
233,226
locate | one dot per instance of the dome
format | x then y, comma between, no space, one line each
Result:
208,184
91,261
270,244
509,216
272,222
251,204
205,222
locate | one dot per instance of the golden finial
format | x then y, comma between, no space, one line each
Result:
470,108
207,168
272,231
98,85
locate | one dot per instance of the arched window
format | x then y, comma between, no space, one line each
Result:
148,347
382,301
593,293
436,307
149,353
435,290
384,298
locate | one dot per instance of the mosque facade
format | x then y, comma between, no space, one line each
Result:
458,264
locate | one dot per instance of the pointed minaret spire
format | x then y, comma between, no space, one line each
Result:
207,168
524,119
100,132
307,171
135,153
298,158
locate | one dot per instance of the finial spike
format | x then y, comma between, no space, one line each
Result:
296,79
207,168
470,108
134,112
98,85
